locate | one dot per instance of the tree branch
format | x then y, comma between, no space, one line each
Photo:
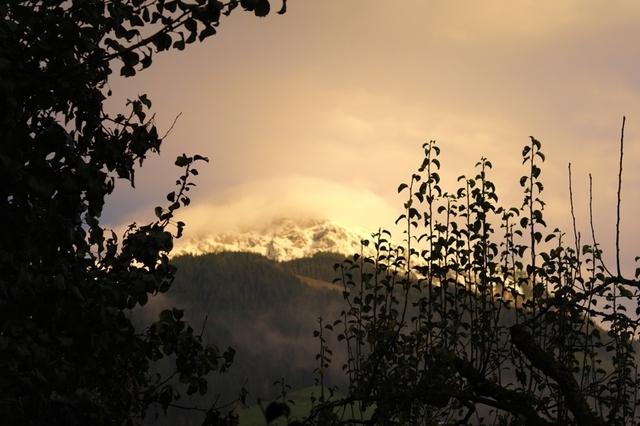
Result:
546,363
511,401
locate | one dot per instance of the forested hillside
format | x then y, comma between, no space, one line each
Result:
261,308
320,266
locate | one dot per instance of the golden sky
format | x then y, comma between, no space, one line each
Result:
324,110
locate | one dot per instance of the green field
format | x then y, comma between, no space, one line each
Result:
252,416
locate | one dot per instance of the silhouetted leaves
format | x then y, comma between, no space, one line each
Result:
69,353
461,316
275,410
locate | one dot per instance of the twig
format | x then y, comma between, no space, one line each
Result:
172,125
624,119
204,324
573,219
593,232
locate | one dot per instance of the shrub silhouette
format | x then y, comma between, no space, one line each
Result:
482,315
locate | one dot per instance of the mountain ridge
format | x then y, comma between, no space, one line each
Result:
281,240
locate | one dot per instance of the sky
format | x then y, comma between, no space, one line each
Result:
323,111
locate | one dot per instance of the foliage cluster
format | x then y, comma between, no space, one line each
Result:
69,353
482,315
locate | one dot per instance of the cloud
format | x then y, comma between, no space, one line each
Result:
254,204
319,113
257,203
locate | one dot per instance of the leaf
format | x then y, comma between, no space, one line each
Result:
179,44
624,292
146,61
166,316
262,8
171,5
536,143
400,218
229,355
130,58
206,32
182,160
283,9
275,410
535,171
402,187
162,41
538,290
145,100
127,71
230,7
249,5
191,25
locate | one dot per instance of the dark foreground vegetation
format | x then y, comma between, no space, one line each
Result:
483,314
69,353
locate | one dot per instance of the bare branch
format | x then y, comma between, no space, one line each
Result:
624,119
573,219
175,120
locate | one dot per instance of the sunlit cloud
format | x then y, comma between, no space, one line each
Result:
257,203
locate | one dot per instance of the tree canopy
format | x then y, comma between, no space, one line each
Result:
69,353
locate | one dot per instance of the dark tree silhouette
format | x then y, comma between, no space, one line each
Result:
69,353
483,316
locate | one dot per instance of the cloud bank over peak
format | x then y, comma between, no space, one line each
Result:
255,205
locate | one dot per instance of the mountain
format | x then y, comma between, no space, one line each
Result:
280,240
260,291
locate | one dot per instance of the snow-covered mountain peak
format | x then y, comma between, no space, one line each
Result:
281,239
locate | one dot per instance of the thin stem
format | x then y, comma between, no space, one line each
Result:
624,119
573,220
593,232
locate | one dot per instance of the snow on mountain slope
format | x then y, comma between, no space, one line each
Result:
280,240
